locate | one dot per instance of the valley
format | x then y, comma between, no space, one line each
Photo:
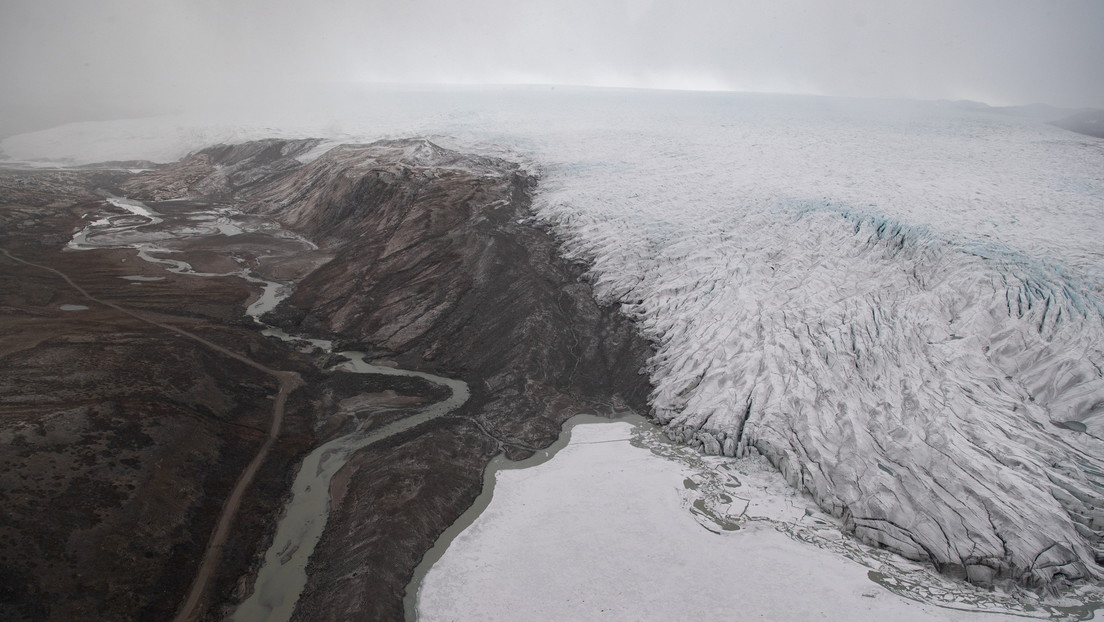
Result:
177,267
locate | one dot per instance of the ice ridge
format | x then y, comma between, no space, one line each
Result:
945,403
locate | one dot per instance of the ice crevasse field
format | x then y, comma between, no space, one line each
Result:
898,303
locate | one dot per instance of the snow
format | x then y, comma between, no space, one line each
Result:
898,303
134,207
575,538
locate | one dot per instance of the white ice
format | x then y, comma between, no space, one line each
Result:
603,531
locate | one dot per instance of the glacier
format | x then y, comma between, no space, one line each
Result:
899,304
903,317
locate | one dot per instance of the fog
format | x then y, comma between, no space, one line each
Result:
64,60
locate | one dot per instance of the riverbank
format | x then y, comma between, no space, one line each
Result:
470,516
425,259
121,438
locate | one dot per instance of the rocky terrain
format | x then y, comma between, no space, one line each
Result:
982,456
120,439
129,438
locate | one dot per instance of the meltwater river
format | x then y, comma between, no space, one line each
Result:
283,574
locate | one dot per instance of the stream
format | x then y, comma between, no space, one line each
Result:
282,575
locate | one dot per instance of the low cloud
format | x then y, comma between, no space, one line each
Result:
127,56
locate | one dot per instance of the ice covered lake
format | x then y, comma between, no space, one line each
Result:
897,303
577,537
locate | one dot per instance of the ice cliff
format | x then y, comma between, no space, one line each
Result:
930,378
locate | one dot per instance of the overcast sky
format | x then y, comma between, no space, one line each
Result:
112,54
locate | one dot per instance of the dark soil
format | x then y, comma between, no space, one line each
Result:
122,440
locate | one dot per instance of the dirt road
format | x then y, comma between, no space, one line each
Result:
288,382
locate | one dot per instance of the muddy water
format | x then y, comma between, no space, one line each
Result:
282,576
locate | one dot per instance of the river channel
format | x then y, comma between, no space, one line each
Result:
282,575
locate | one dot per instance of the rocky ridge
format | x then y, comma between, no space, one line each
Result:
436,266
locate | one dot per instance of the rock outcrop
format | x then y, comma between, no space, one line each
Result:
436,265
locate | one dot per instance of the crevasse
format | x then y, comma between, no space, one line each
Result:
928,393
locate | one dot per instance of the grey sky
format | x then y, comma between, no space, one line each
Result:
136,54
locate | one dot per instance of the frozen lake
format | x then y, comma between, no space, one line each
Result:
577,538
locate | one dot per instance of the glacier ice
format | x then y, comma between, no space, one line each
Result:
928,376
898,303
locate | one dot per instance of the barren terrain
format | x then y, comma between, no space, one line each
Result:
127,426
